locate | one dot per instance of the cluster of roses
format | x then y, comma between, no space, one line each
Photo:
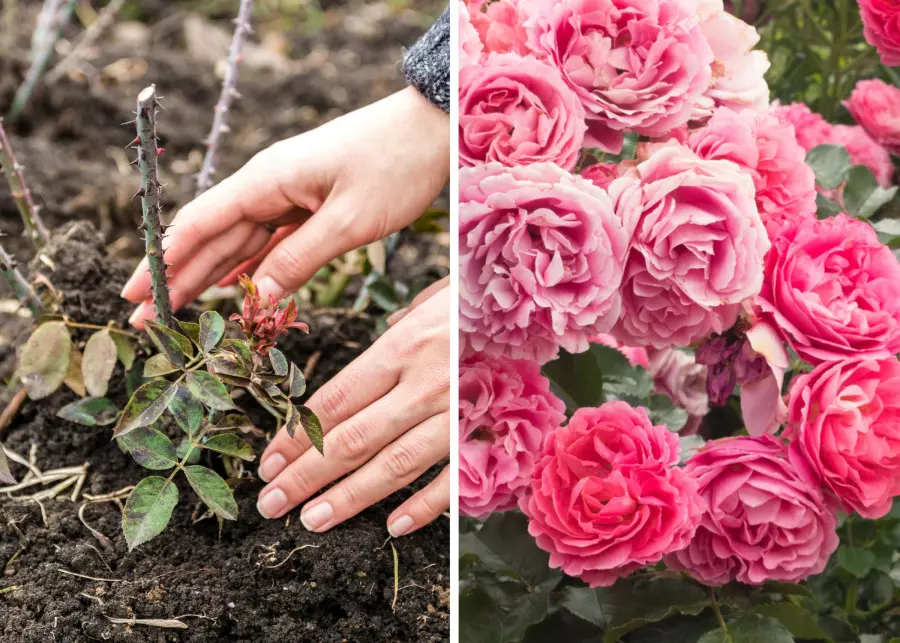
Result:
709,237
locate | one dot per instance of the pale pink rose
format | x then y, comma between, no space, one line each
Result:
540,259
601,174
636,355
697,250
767,149
833,290
470,47
607,495
677,375
881,25
506,410
518,111
636,64
843,422
500,26
763,520
810,128
875,106
864,150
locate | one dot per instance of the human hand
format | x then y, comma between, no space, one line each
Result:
306,200
386,420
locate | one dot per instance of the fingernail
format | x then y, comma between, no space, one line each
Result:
125,287
316,516
402,526
268,286
271,467
396,316
135,315
271,504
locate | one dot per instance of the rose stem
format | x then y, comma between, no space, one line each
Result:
15,177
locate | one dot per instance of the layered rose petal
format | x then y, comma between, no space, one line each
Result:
500,26
607,497
541,259
697,250
845,423
763,521
470,47
506,410
832,290
864,150
601,174
677,375
881,25
636,64
809,128
518,111
875,105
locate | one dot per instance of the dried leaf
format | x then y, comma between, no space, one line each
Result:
150,448
187,410
44,360
212,490
74,378
174,345
124,350
297,382
157,366
230,444
145,406
209,390
91,411
148,510
377,255
212,330
98,363
6,475
303,417
165,623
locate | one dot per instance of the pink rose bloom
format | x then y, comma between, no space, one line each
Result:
636,355
833,290
864,150
843,423
677,375
697,250
763,521
875,105
810,128
636,64
540,260
767,149
470,47
601,174
500,26
518,111
506,410
607,497
881,24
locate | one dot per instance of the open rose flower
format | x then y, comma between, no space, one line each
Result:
607,497
763,520
636,64
505,412
832,290
767,150
844,420
864,150
540,260
881,25
697,250
601,174
500,26
875,105
470,47
677,375
518,111
810,128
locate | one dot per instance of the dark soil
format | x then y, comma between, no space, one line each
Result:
223,587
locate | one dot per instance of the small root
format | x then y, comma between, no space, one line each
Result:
396,577
103,580
165,623
104,541
292,552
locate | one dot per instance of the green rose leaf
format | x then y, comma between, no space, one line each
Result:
230,364
232,445
44,360
192,330
830,163
750,628
862,195
124,350
856,561
91,411
207,388
651,601
212,330
98,362
383,293
157,366
150,448
148,510
296,382
173,345
826,208
801,623
234,421
242,348
187,410
145,406
279,362
663,411
182,450
213,490
303,417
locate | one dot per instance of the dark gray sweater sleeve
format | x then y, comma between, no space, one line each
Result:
427,63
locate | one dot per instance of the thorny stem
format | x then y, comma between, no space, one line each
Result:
17,283
54,17
103,21
15,177
229,92
148,151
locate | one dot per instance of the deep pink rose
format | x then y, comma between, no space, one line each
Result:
636,355
540,260
677,375
518,111
864,150
697,250
601,174
833,290
607,497
500,26
810,128
506,410
636,64
881,25
763,520
844,421
470,47
767,149
875,105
